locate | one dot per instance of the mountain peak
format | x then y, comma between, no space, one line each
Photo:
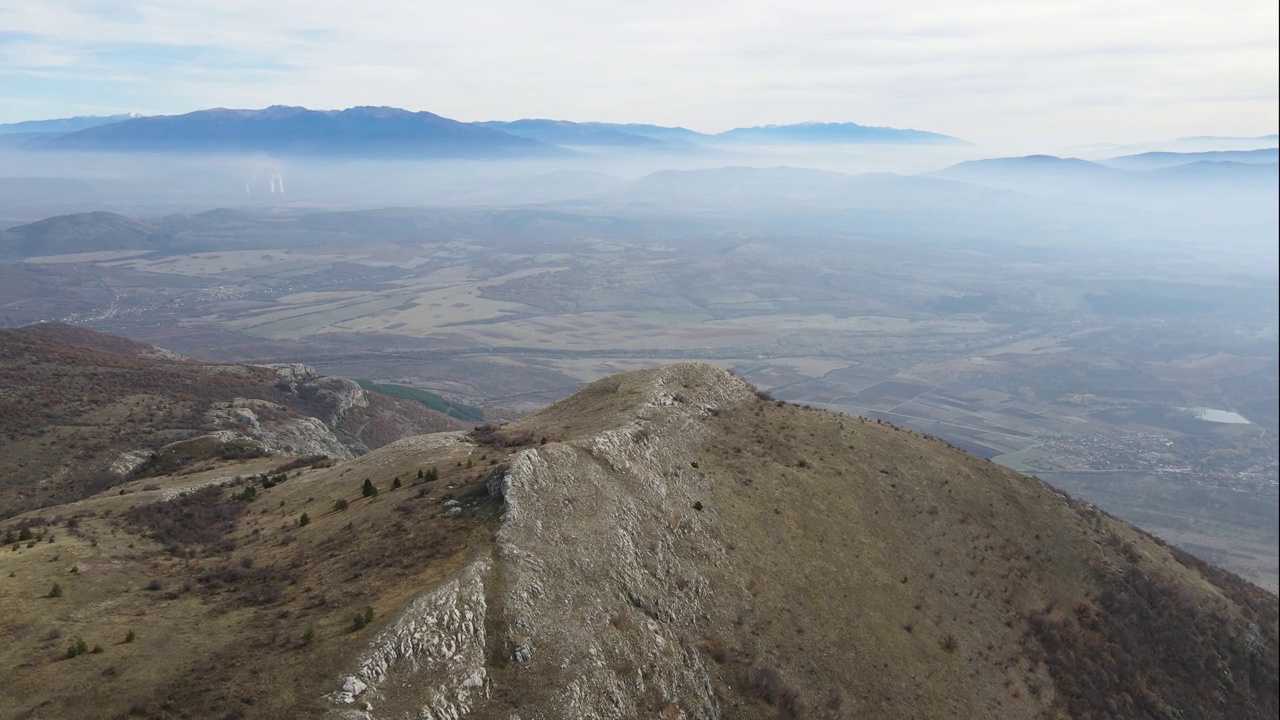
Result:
666,542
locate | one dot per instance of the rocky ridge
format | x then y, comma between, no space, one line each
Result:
668,543
616,586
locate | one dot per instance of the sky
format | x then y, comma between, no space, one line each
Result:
1030,74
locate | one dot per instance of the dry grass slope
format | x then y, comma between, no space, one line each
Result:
72,400
666,544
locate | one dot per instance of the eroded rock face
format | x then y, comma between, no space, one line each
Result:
430,662
595,570
292,372
598,548
127,462
331,397
278,430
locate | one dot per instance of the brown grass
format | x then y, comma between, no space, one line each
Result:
1022,604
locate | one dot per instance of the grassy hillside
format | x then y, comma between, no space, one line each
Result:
663,544
73,401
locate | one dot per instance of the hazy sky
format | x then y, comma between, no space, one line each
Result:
1022,73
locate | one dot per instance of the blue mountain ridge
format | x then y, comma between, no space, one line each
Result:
385,131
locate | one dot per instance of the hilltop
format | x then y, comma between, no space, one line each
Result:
79,232
665,543
81,412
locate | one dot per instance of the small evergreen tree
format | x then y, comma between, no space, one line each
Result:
79,647
395,484
303,519
55,591
368,490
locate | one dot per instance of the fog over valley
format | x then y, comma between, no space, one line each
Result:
1057,314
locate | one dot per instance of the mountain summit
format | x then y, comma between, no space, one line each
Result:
667,543
359,131
392,132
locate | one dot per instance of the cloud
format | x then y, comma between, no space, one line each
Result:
1020,73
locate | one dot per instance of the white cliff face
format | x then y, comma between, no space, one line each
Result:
596,581
277,430
292,372
333,396
430,659
600,548
127,462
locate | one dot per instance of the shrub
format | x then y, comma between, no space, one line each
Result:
79,647
202,518
368,490
340,505
303,519
96,649
55,591
766,682
949,643
362,619
717,650
395,484
130,636
494,436
308,636
432,474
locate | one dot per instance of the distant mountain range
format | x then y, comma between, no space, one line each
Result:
1175,183
1156,160
363,131
560,132
1035,172
61,125
836,133
392,132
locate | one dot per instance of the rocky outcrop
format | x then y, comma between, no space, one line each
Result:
630,602
127,462
330,397
292,372
574,617
277,429
432,657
